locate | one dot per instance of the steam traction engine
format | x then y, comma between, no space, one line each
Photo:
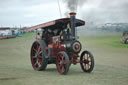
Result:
58,45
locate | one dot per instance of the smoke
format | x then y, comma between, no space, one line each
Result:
102,11
97,13
72,5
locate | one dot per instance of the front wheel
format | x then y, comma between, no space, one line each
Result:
87,61
62,63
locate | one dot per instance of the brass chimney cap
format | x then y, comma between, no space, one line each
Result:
72,14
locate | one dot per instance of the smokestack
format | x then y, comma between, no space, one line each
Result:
73,23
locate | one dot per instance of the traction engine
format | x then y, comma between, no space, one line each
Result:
58,44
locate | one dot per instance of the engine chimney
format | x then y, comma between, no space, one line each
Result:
73,23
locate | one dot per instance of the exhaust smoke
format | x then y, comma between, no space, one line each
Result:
73,5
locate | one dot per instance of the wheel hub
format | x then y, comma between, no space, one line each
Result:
36,55
86,61
61,62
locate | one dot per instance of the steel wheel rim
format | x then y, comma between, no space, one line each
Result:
36,56
61,63
86,62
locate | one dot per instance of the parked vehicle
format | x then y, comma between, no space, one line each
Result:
125,33
124,40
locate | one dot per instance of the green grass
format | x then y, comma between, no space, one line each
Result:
111,63
106,40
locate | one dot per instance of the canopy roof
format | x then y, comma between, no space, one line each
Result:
56,24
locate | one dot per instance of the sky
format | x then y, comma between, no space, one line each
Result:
32,12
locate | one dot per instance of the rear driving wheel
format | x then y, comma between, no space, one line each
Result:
87,61
62,63
38,60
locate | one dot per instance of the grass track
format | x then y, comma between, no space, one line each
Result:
111,63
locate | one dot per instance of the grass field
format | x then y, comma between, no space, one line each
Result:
111,63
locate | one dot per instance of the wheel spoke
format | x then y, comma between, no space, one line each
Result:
88,66
35,64
40,60
39,48
34,49
63,69
59,58
84,57
40,52
39,63
89,63
64,62
34,57
84,65
61,64
87,56
89,59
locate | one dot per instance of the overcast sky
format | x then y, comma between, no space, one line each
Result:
33,12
